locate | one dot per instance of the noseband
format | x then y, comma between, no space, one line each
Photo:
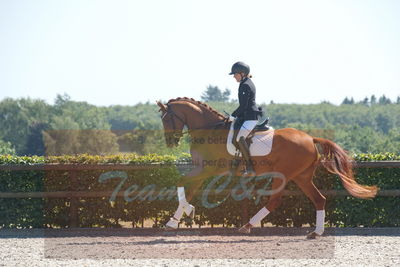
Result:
173,114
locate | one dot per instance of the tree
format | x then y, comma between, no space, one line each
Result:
347,101
15,118
35,144
98,142
383,100
68,137
63,137
61,100
384,122
213,93
6,148
140,116
373,100
365,102
70,127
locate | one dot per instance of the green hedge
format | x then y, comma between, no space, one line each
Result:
100,212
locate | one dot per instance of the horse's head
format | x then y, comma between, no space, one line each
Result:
173,123
181,112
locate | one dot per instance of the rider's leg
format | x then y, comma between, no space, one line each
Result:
246,128
244,149
244,131
237,124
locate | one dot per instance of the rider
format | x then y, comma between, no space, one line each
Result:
247,113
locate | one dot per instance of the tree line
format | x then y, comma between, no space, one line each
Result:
34,127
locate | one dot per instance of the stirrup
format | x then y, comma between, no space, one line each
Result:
247,172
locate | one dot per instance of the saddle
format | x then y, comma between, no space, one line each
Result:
260,127
261,138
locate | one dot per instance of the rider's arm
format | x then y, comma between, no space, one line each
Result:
244,95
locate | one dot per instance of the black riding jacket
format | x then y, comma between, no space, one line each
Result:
247,109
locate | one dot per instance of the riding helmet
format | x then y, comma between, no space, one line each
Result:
239,67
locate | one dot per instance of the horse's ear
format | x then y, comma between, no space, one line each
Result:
163,108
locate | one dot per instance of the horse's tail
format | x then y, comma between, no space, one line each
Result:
337,161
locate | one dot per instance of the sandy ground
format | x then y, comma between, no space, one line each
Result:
200,247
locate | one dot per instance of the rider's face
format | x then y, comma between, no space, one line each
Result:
237,76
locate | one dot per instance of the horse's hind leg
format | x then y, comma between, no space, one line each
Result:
273,202
305,183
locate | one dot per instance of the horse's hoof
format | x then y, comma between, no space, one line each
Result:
245,229
172,224
169,229
312,235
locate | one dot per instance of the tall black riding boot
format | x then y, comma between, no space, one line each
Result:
244,148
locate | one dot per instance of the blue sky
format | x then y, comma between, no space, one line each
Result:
125,52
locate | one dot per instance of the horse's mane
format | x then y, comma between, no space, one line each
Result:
197,103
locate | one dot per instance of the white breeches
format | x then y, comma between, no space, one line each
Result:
246,128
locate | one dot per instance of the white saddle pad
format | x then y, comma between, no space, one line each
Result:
261,143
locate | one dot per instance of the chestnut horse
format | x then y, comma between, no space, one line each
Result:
294,154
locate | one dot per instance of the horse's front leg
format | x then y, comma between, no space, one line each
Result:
192,181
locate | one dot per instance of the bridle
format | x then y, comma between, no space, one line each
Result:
172,114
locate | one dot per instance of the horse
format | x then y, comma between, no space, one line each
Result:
294,154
